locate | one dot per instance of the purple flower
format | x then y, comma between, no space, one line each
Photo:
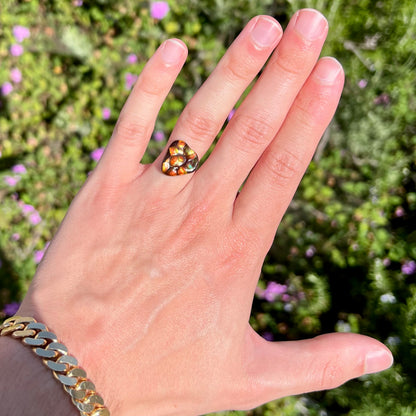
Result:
16,49
15,75
131,59
19,168
130,80
273,290
77,3
386,262
409,267
27,208
38,256
15,236
159,136
159,9
310,252
20,33
11,180
106,113
35,218
362,83
230,116
96,154
399,212
6,88
11,308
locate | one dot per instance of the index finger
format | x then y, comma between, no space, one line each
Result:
120,162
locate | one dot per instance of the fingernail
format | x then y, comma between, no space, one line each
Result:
378,360
310,24
171,51
265,32
327,70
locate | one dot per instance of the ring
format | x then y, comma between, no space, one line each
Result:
180,159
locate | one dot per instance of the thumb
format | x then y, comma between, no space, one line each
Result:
286,368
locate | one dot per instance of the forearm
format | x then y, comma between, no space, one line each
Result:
27,387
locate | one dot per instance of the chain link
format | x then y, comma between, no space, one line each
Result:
55,356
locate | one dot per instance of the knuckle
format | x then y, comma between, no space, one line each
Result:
199,124
253,131
290,63
234,70
197,216
247,238
305,115
291,69
313,108
239,241
330,375
284,165
150,89
131,130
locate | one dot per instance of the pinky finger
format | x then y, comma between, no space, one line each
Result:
120,163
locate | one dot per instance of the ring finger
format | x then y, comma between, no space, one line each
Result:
263,112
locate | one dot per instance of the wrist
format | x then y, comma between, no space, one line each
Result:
27,387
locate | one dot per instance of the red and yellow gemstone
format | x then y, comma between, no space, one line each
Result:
180,159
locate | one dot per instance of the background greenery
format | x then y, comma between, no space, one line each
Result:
343,259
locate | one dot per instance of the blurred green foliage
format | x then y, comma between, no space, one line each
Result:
343,252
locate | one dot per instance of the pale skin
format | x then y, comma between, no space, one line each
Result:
150,279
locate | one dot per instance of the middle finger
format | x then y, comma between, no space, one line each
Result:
260,116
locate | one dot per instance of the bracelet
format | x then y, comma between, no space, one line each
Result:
55,356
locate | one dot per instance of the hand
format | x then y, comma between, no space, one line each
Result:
150,279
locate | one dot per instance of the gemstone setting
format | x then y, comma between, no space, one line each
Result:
180,159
